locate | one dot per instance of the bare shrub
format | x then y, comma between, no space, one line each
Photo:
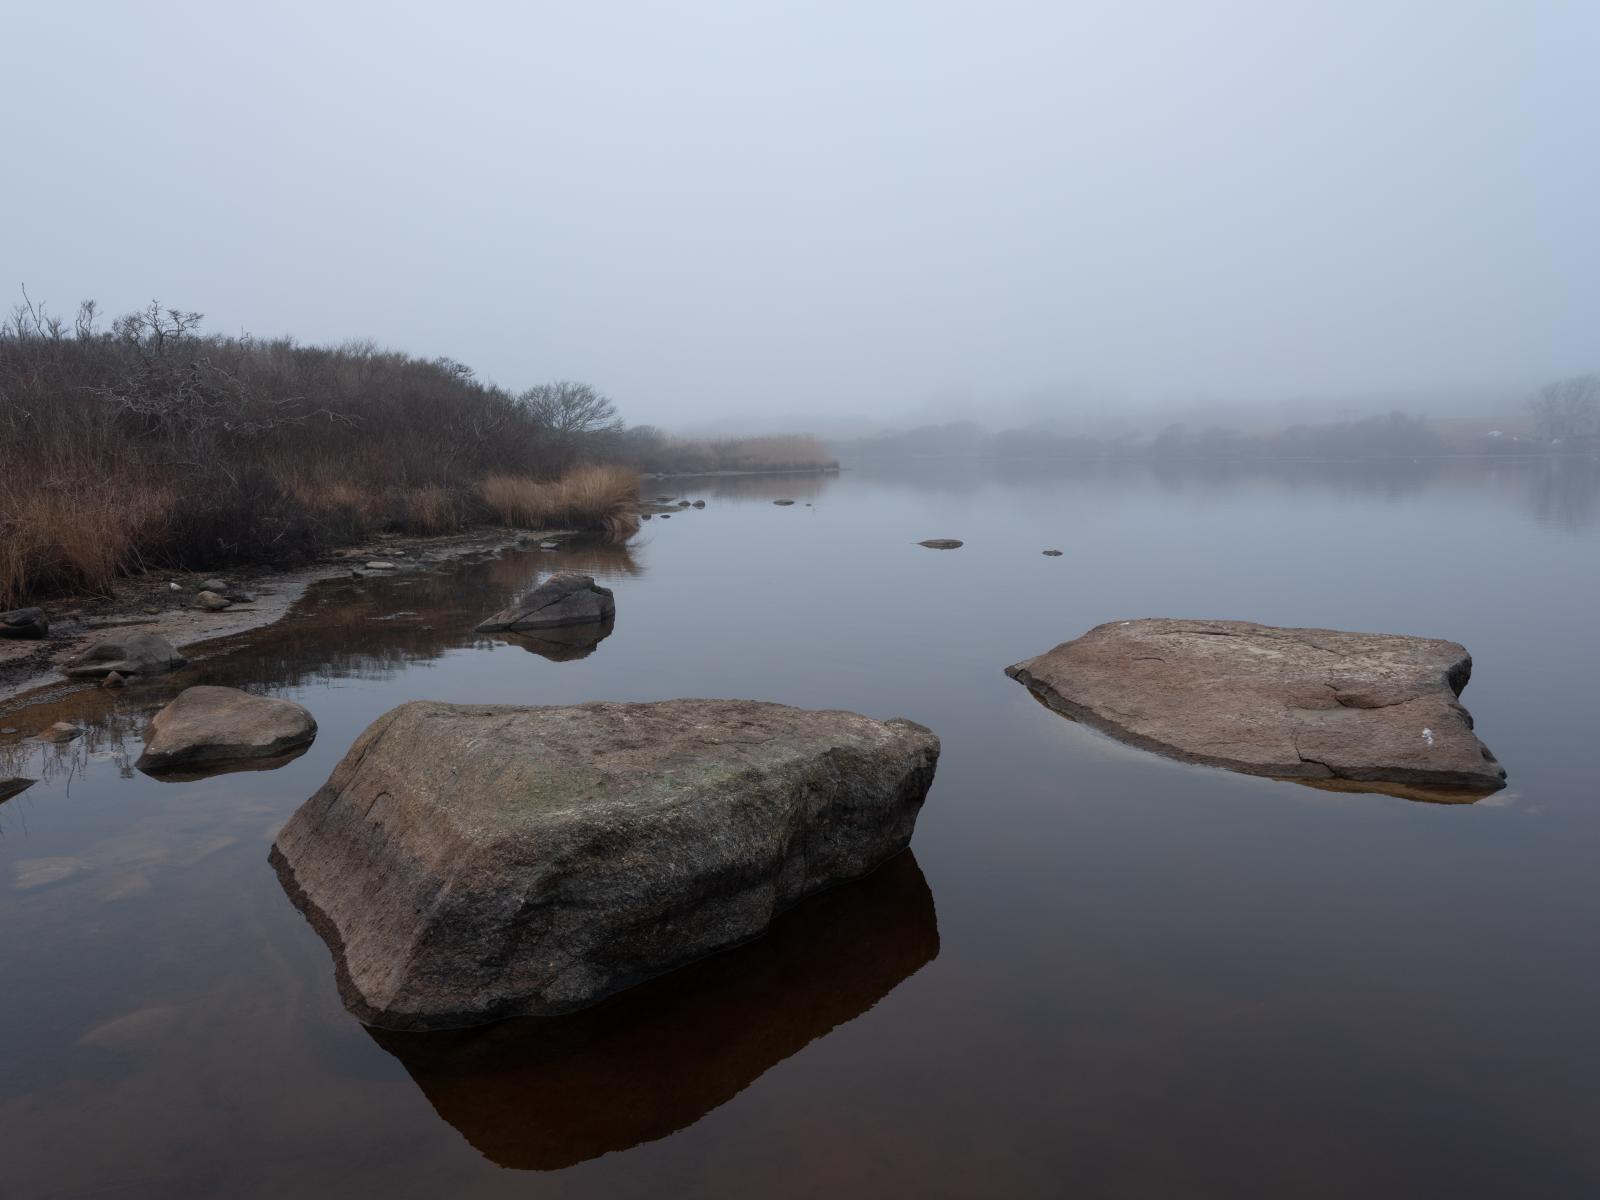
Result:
155,443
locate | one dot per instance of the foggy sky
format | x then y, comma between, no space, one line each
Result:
745,211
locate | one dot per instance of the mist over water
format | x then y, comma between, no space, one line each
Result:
733,217
1237,311
1099,965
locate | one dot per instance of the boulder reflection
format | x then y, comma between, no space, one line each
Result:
563,644
546,1093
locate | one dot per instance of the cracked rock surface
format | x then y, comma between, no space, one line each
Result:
1306,704
471,862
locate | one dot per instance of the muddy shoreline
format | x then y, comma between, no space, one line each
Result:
149,604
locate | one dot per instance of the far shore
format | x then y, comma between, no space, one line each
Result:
821,469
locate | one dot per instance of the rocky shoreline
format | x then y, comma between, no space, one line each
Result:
150,603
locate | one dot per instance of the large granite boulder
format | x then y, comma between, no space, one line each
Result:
566,598
548,1093
212,725
135,654
1316,705
24,623
467,863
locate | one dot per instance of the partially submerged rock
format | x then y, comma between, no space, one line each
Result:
566,598
211,601
136,654
24,623
783,503
14,787
467,863
1051,553
943,543
210,725
1316,705
60,732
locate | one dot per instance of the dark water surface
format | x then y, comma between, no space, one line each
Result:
1097,973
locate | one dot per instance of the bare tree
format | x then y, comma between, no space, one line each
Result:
1569,408
568,413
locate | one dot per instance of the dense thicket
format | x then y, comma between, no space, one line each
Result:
152,443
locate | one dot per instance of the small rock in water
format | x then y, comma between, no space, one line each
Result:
24,623
175,587
783,503
213,585
1051,553
210,601
666,516
646,516
223,724
566,598
238,597
942,543
549,545
150,610
379,565
14,787
683,504
61,731
114,680
699,504
137,654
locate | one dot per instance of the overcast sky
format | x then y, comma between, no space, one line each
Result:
761,210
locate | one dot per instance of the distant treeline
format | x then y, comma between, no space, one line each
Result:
1566,416
150,443
650,450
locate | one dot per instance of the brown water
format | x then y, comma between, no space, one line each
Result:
1101,974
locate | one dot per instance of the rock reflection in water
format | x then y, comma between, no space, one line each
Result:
563,644
207,770
547,1093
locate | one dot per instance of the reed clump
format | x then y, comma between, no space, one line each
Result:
593,497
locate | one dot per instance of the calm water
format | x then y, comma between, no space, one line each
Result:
1096,973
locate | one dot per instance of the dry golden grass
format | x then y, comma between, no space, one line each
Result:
59,538
74,539
340,497
597,498
431,510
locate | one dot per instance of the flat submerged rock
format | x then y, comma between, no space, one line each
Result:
1320,706
467,863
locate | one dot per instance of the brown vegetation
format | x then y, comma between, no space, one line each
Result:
607,497
154,445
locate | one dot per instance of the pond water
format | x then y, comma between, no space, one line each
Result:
1096,972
